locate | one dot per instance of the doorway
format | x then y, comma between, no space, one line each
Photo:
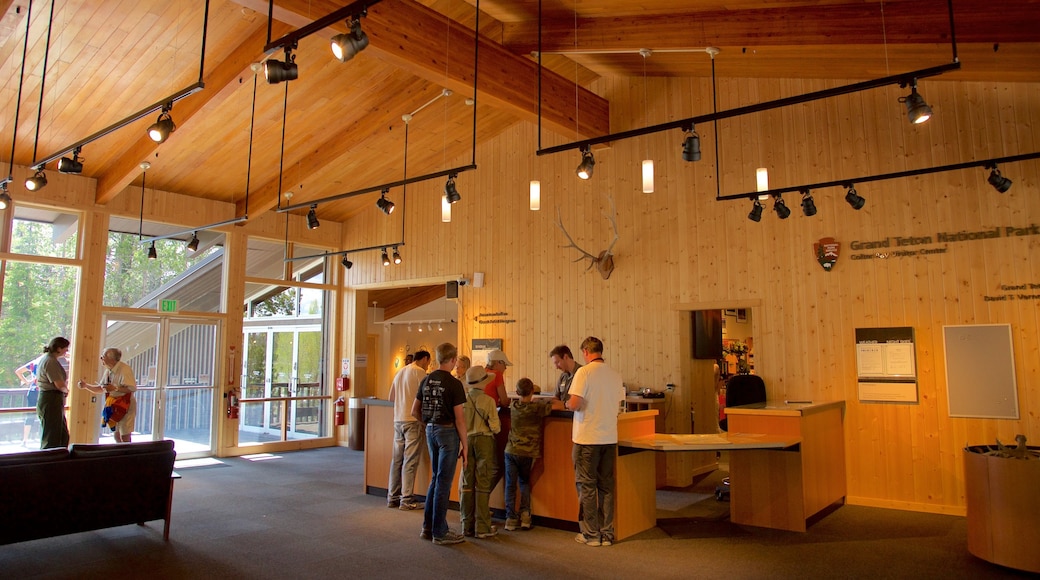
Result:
174,363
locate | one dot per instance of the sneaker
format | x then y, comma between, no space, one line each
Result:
393,504
411,505
425,535
605,543
491,533
468,533
581,539
525,520
448,539
512,524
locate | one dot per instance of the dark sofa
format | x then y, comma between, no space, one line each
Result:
85,487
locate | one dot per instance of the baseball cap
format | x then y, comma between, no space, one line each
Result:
497,355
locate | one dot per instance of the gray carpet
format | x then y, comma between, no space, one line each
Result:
304,515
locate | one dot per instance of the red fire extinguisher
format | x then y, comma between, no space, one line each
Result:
341,412
232,410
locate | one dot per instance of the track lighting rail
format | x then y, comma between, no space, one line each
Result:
898,79
374,188
338,16
194,230
382,247
986,163
158,105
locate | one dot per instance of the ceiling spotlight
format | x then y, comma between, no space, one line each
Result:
193,243
808,205
588,163
5,198
916,109
691,147
397,256
163,126
386,258
276,71
998,181
345,46
37,182
420,327
781,209
74,165
384,204
409,327
347,263
312,218
853,198
152,254
450,193
756,212
440,327
429,327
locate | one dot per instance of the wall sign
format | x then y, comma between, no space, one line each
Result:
481,347
886,369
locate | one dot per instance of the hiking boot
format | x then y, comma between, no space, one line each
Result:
491,533
512,524
393,504
581,539
448,539
425,535
525,520
411,505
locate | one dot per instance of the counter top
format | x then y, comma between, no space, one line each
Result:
709,442
784,408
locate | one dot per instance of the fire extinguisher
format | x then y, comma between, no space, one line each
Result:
341,412
232,410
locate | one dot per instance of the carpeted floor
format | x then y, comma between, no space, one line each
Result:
304,515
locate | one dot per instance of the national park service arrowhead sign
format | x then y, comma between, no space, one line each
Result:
826,251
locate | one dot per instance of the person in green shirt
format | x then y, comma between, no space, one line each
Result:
523,448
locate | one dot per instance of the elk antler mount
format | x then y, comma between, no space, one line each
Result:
604,262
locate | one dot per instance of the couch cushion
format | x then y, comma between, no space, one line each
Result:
41,456
83,450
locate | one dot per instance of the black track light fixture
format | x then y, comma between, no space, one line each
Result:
277,71
998,181
917,110
346,46
346,262
73,165
163,126
853,198
385,205
755,214
152,254
808,205
691,147
386,258
37,182
193,243
450,192
781,209
5,198
588,163
312,218
397,256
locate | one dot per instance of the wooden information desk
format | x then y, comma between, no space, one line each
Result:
554,497
787,462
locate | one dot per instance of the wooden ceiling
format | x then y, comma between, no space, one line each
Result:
343,127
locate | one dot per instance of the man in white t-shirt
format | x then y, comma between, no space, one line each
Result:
408,434
596,394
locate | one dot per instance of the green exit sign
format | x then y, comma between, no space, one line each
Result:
167,306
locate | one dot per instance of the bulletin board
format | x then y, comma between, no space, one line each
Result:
980,371
886,366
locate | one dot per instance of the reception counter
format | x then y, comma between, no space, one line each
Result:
554,499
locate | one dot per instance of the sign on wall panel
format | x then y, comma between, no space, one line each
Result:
980,371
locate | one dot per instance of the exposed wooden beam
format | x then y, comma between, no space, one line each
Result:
919,22
419,298
220,84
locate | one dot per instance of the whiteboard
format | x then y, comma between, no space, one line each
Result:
980,371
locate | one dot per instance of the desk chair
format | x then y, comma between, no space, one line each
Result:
740,390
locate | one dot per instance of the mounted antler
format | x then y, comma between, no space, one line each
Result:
604,262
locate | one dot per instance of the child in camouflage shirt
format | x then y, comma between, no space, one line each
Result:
523,448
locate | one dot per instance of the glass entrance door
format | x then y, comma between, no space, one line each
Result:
174,362
283,396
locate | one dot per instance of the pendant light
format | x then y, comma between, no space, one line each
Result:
648,164
536,195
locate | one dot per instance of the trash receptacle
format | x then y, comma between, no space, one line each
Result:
356,424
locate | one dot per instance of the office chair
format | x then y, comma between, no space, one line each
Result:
740,390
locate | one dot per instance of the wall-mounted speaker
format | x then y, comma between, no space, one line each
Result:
451,290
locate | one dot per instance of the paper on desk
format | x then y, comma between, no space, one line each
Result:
701,439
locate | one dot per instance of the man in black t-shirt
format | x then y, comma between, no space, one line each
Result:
438,404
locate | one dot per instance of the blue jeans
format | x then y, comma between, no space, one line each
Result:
596,482
408,437
443,442
518,470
